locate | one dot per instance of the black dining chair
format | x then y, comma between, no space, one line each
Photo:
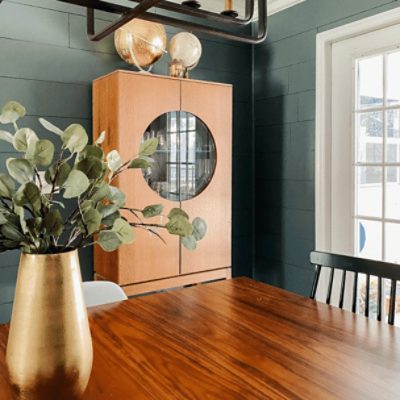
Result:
356,265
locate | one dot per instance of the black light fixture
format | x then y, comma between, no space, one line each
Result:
191,3
229,11
228,18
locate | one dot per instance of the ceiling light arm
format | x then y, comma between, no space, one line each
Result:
208,15
141,8
262,29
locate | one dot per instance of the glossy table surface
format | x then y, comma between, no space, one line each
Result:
235,339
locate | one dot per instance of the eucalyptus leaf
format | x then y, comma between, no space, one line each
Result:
91,151
101,192
41,153
34,225
86,205
53,223
59,203
20,169
152,210
177,212
179,225
11,244
13,219
109,240
7,186
50,127
29,194
117,196
92,167
21,214
11,112
123,230
63,171
139,163
23,138
3,219
92,220
111,218
107,209
114,160
101,138
76,183
189,242
148,147
6,136
11,232
199,228
75,138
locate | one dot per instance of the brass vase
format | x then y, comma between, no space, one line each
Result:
49,351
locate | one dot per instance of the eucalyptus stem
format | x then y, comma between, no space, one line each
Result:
33,220
56,173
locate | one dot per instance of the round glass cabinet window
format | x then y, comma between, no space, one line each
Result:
185,158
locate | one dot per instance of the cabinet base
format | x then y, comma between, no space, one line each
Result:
175,281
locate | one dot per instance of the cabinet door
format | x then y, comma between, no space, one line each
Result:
213,105
143,99
140,100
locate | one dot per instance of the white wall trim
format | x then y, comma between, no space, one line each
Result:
323,123
275,6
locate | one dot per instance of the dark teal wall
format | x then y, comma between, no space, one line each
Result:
47,64
284,95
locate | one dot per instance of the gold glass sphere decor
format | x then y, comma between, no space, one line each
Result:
141,43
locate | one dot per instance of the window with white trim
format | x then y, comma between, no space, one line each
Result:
360,205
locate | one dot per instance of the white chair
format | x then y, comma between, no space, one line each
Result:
97,293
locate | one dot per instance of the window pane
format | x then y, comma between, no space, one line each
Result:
392,194
369,244
369,191
369,137
393,135
370,82
392,247
393,78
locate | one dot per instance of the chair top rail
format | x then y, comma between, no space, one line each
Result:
355,264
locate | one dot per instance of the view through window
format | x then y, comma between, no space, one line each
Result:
377,165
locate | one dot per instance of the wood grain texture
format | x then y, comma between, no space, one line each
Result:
177,281
236,339
213,105
125,104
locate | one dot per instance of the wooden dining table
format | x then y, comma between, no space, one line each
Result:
235,339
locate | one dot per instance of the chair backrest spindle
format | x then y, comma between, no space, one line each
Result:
381,270
392,303
329,293
342,288
355,290
315,282
379,312
367,289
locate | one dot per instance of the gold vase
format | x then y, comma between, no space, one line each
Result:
49,351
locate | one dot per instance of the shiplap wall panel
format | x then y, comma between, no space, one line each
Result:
48,64
284,95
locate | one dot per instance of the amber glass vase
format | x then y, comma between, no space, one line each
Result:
49,351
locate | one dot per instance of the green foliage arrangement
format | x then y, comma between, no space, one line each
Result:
42,185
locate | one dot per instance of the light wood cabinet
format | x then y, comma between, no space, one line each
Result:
195,114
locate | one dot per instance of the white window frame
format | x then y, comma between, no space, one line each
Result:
323,123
